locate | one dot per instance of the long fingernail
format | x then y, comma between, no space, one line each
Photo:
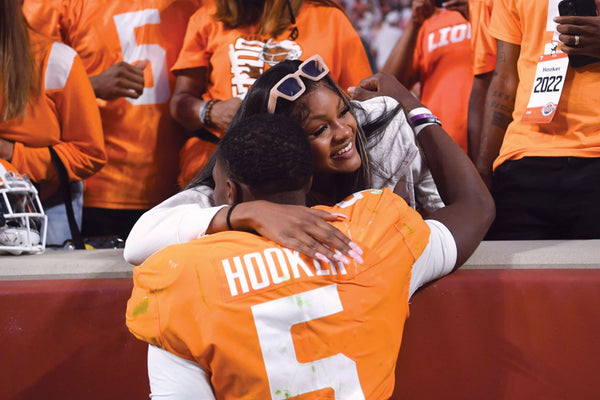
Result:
339,215
355,256
321,257
356,248
340,257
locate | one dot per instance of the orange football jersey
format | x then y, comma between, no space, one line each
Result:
267,322
142,141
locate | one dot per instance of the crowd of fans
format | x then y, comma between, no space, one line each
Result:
164,97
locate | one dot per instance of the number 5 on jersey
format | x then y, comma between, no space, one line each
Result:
274,321
126,24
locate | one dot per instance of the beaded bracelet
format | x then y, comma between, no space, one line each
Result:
207,119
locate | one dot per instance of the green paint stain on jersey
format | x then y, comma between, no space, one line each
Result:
141,308
284,392
301,303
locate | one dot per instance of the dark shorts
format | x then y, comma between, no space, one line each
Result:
540,198
109,222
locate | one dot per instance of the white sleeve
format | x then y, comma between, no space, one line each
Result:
175,378
179,219
438,258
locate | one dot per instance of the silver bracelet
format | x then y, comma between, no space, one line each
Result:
202,112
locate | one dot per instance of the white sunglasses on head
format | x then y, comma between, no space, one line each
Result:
290,87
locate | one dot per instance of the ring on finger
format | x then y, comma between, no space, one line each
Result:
576,40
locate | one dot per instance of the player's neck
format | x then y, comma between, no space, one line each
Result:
296,197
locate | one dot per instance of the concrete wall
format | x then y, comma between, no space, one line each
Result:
519,321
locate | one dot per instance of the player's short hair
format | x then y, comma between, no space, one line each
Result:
269,153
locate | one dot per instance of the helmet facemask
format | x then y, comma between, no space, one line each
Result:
22,218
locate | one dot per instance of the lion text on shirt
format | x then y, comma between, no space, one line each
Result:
449,34
272,266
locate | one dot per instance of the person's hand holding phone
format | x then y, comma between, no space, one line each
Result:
579,31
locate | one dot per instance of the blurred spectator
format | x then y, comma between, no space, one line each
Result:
47,104
484,62
435,51
386,37
543,145
127,49
230,42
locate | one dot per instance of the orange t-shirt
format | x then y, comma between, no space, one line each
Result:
443,64
142,141
575,129
265,321
232,57
483,44
65,116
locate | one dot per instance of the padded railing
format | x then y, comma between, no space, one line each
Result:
520,320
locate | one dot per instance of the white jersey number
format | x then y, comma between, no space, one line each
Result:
287,377
126,24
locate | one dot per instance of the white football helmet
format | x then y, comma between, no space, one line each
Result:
22,219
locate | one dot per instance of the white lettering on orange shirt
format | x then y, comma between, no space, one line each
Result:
272,266
245,65
445,36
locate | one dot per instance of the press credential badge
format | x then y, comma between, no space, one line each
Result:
547,88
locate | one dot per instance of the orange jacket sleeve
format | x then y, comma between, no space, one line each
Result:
69,100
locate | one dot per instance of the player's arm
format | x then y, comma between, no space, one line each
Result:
469,209
499,105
